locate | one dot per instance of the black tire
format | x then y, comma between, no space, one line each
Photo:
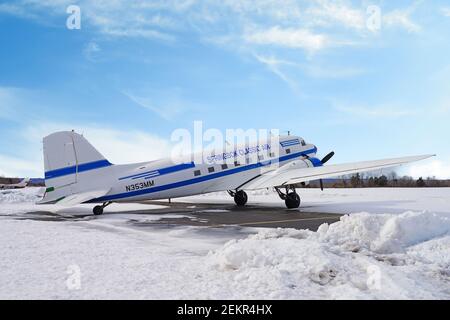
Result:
292,200
98,210
240,198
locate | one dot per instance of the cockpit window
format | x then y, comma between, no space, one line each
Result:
303,142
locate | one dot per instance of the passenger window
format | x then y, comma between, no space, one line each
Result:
211,169
288,151
247,160
237,164
261,157
271,154
224,166
197,173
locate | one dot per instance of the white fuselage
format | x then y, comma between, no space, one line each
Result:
162,179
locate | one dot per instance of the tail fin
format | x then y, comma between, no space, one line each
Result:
69,161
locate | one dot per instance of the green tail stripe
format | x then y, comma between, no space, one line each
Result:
59,199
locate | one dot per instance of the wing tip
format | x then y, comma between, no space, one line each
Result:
426,156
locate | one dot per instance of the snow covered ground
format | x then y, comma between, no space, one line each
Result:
399,248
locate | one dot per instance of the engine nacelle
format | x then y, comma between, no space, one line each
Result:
301,164
297,164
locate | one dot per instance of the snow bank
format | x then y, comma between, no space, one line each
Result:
385,233
361,256
25,195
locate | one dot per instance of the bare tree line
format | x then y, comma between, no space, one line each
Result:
388,180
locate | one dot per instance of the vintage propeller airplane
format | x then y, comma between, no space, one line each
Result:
75,172
21,184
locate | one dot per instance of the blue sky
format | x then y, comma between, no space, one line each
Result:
137,70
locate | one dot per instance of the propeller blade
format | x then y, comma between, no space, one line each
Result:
327,157
324,160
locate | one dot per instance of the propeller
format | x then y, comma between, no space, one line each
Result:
324,160
327,157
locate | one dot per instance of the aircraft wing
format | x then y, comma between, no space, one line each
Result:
279,177
77,198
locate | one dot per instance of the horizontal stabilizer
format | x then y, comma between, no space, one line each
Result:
78,198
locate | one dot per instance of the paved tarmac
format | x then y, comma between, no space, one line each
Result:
204,215
221,215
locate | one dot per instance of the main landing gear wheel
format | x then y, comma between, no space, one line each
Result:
240,198
98,210
292,200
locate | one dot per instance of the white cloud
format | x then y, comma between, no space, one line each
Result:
402,18
17,10
125,19
167,110
274,66
306,25
286,10
11,166
328,13
135,32
399,18
111,18
430,168
118,146
313,70
288,37
279,67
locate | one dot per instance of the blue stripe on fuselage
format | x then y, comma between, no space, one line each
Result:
203,178
160,172
73,169
154,174
137,176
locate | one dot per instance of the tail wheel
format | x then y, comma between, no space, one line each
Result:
98,210
292,200
240,198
